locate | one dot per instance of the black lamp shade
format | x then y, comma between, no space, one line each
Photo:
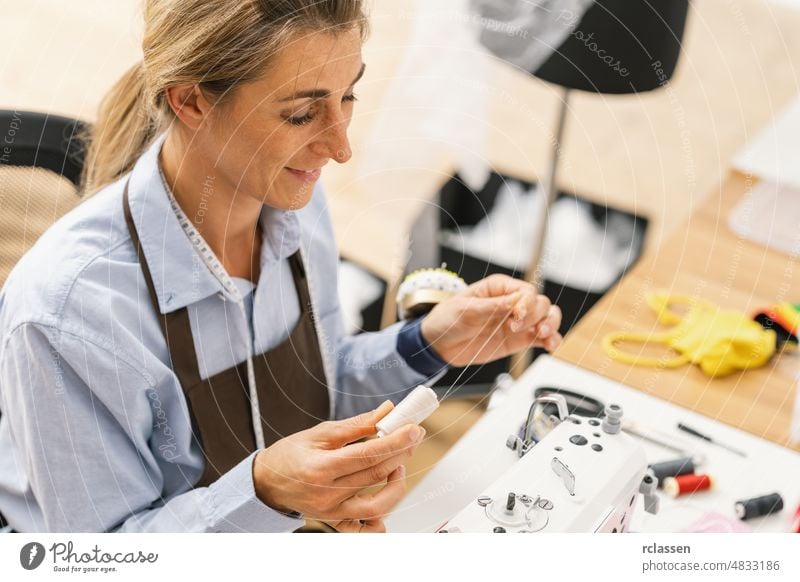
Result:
619,46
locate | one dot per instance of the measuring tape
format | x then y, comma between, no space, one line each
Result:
215,266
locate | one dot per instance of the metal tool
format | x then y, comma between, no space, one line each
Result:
654,437
707,438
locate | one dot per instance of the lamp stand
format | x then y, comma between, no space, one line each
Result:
534,273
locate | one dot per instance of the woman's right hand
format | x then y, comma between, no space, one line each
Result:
320,474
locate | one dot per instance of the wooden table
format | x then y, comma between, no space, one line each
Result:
707,259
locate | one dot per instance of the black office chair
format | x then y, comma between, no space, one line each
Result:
44,141
41,159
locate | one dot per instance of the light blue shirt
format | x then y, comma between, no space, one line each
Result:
95,433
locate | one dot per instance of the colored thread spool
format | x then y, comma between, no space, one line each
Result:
758,506
413,409
796,521
682,466
685,484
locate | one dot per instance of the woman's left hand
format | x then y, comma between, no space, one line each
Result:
491,319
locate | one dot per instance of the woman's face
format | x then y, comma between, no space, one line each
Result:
274,135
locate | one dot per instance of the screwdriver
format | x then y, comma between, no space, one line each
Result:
707,438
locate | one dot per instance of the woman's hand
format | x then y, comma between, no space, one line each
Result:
320,474
491,319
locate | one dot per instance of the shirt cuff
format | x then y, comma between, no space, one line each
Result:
236,508
413,348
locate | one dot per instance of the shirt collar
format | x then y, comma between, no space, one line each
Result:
281,234
179,274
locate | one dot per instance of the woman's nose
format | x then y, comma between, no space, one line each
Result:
333,142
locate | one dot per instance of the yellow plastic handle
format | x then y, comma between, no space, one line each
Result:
609,345
661,302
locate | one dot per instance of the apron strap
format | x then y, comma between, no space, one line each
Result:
180,342
301,282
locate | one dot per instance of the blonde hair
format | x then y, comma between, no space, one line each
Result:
215,43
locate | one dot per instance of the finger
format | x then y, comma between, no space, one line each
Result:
549,343
339,525
496,285
373,526
529,310
552,342
345,525
360,456
378,505
335,434
358,525
375,474
549,325
489,311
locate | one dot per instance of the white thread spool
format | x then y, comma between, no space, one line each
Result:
413,409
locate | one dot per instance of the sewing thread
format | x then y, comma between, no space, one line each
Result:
759,506
685,484
413,409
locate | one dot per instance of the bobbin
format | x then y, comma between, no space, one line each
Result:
413,409
686,484
673,468
758,506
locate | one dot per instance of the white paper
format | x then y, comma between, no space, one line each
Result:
770,214
795,430
773,154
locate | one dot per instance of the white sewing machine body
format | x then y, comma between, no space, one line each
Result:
480,459
584,476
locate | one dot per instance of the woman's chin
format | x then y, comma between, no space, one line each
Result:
290,198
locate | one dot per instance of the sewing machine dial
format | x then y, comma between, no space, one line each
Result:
522,513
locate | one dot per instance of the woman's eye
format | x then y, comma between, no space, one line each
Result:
306,118
300,120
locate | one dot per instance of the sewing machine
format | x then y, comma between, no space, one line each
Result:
480,461
583,475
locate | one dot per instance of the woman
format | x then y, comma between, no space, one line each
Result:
172,350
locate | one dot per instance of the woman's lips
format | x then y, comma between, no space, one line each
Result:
307,177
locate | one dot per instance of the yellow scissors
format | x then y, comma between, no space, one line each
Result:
719,341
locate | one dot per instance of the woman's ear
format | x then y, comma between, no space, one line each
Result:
189,104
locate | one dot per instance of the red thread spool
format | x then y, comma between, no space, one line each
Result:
684,484
796,521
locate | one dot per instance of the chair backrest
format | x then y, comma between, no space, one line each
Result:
41,158
40,140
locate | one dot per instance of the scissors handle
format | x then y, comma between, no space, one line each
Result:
611,340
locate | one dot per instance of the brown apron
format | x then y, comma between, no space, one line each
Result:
290,380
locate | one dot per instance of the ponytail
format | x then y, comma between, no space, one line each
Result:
126,124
